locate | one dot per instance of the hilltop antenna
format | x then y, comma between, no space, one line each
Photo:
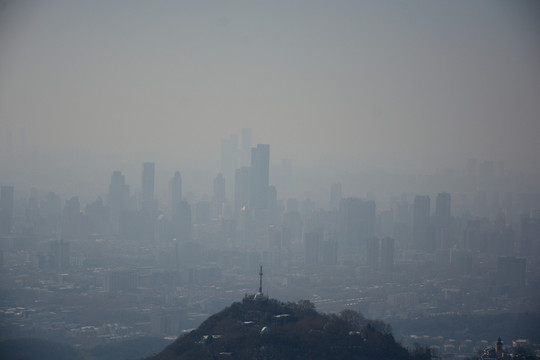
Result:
260,281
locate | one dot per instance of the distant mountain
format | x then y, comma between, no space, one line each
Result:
262,328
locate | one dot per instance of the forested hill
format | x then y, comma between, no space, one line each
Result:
268,329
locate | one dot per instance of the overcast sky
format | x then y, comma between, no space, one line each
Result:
361,83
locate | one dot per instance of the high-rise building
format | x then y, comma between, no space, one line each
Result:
59,254
372,253
175,191
329,252
259,176
219,189
72,220
421,224
312,246
218,208
147,195
356,221
401,228
246,147
387,254
259,188
241,190
335,196
181,222
117,198
443,221
442,208
6,208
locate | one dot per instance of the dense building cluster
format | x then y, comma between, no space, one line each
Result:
129,264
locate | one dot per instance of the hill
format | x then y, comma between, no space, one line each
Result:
268,329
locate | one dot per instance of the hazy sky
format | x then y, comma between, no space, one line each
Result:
377,83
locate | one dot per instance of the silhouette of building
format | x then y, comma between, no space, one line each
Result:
443,222
219,189
6,208
73,226
202,213
421,223
259,177
335,196
147,195
241,190
292,224
175,191
329,252
372,253
218,198
401,226
272,205
117,198
59,254
312,243
356,223
246,147
97,218
386,262
181,221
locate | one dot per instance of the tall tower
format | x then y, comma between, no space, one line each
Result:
241,190
219,189
246,146
335,196
259,177
356,221
443,221
499,348
148,172
175,191
117,197
421,222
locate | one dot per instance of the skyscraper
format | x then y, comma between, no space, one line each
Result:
443,221
147,196
335,196
175,191
259,175
387,254
218,199
117,197
421,225
356,223
219,189
6,208
241,190
246,146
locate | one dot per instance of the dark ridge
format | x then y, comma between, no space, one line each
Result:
262,328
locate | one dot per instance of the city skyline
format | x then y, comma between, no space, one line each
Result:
374,85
